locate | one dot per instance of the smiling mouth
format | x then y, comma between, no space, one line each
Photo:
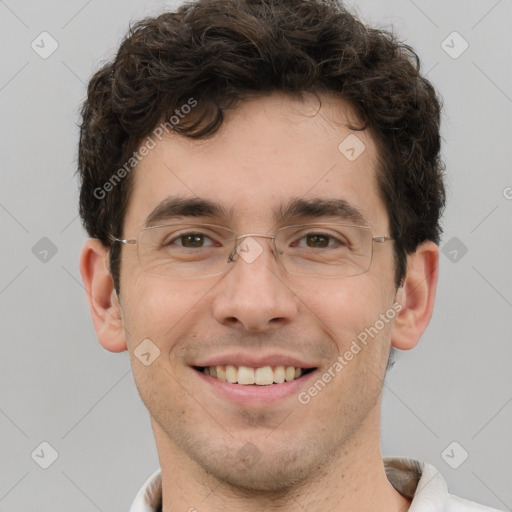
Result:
246,376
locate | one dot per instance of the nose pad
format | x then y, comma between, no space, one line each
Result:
249,249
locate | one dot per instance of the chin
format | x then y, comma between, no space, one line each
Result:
249,470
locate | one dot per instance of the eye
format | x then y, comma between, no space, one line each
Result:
319,241
192,240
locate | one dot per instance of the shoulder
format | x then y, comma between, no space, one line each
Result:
456,504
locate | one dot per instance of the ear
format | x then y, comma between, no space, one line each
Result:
103,301
416,296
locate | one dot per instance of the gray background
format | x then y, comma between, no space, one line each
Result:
57,385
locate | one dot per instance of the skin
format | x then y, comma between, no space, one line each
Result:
325,455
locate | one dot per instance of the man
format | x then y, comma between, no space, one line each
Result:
262,184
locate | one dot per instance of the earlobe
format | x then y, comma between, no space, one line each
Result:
416,296
103,301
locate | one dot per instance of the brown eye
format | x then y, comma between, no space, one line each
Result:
192,240
317,241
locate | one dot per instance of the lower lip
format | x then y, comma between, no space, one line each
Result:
253,394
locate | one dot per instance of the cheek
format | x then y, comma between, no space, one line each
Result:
346,307
157,313
159,309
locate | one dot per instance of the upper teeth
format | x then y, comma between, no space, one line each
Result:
261,376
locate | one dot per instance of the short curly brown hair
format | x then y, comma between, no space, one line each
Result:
222,52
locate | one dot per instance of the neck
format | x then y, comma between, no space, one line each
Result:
354,479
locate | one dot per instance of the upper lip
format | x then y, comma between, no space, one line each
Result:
253,361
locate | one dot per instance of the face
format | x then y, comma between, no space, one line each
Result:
271,152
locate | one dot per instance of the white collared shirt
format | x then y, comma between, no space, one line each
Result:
415,480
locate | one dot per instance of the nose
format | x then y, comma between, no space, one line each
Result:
254,294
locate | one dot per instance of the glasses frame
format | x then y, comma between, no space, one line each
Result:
237,238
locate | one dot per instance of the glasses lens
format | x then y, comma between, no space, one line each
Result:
181,251
325,250
188,251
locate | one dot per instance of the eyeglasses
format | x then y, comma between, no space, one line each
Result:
190,251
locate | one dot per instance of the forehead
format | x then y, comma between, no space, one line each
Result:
270,152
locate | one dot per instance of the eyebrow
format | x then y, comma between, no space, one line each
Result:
316,208
186,207
294,209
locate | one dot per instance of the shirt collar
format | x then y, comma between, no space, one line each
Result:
418,481
149,498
